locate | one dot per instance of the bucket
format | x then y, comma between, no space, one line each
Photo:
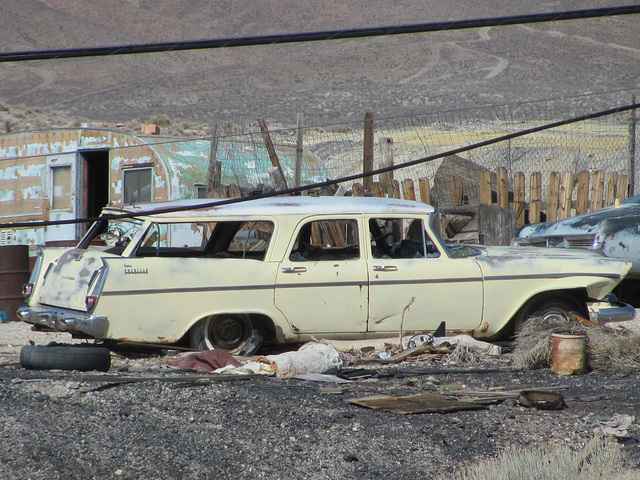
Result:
14,273
569,354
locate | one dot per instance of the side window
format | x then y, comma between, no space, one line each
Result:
400,238
326,240
137,185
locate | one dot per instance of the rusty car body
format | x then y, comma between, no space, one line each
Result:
290,269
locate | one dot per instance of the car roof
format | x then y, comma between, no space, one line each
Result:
298,205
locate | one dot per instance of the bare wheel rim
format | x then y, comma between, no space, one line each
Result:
229,332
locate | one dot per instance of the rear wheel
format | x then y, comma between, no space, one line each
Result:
548,307
232,332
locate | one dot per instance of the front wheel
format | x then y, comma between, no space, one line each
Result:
232,332
548,307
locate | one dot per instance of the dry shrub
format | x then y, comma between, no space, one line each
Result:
532,347
613,351
601,458
607,350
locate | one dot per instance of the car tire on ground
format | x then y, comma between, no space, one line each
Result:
38,357
235,333
558,304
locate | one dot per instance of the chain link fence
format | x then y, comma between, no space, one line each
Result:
333,151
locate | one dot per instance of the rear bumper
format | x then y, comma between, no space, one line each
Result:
63,320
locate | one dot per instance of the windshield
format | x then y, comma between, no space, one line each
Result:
458,250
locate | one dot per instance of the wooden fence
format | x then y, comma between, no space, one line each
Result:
568,194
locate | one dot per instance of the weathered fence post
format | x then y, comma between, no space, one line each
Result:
632,148
408,190
582,200
597,190
503,188
566,189
552,202
485,187
386,152
425,190
214,172
367,165
518,197
299,150
282,183
535,193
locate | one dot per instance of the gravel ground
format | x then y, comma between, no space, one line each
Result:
61,424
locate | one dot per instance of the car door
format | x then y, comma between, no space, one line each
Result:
321,286
414,285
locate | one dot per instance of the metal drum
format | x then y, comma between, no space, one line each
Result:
14,273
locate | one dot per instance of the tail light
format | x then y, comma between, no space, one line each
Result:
27,290
90,302
95,288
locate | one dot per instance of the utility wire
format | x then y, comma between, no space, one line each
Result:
350,178
316,36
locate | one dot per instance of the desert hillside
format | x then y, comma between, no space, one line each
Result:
338,80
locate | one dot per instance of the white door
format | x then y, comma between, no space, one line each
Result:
321,287
414,286
61,191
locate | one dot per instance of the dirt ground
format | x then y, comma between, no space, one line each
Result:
137,422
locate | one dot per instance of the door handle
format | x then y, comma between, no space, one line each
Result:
386,268
294,270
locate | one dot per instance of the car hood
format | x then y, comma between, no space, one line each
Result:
67,281
585,224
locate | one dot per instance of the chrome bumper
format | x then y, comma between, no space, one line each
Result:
614,311
63,320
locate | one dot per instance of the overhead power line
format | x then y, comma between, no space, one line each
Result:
315,36
350,178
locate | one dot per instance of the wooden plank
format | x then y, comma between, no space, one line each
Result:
582,199
455,188
367,163
386,151
213,177
271,150
536,197
597,190
518,197
425,190
623,187
234,191
610,188
408,191
485,188
503,188
428,402
377,189
299,150
394,190
357,189
552,201
566,189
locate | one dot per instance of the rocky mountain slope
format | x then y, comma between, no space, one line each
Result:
327,81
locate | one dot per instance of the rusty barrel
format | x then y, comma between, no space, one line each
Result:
14,273
569,353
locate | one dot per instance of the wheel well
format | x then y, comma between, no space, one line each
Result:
579,294
267,324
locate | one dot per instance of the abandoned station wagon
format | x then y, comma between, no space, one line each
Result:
288,269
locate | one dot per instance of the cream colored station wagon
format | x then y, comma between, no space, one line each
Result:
286,269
